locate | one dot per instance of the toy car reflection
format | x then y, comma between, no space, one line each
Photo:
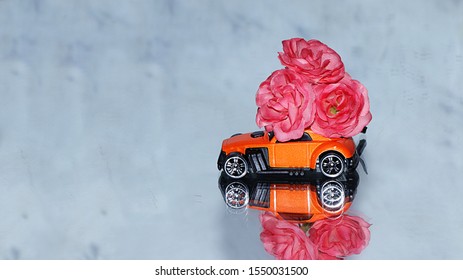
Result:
261,153
294,201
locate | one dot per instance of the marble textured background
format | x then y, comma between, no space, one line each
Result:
112,114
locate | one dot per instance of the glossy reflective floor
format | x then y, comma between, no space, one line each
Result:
112,116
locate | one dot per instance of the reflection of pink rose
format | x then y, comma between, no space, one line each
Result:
340,237
315,60
285,104
284,240
342,109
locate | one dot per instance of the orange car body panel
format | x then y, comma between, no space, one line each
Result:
293,154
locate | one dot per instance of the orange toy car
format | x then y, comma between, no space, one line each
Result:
294,201
261,153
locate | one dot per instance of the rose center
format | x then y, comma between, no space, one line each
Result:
333,110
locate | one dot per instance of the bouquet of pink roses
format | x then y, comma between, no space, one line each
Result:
312,91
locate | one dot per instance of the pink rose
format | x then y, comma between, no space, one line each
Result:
315,60
340,237
284,240
342,109
286,105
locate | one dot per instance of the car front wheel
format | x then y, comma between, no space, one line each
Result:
236,195
235,166
332,164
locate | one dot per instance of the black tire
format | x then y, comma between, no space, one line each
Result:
332,164
235,166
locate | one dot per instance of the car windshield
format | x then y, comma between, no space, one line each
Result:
271,135
305,137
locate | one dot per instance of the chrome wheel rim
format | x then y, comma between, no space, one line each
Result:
236,167
332,165
332,196
236,195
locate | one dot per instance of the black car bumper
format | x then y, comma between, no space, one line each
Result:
221,160
353,162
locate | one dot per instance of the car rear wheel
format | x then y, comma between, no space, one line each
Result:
235,166
332,164
332,196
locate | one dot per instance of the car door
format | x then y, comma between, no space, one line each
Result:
292,154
